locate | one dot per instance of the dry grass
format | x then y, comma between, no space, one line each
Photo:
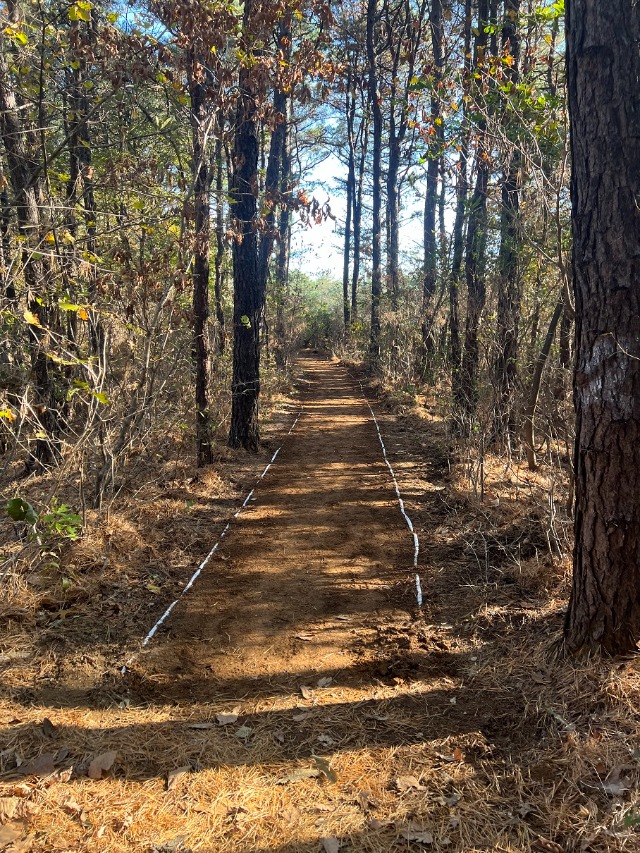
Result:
464,727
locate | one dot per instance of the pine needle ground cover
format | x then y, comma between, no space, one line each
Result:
286,707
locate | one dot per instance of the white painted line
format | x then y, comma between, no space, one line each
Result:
202,565
416,541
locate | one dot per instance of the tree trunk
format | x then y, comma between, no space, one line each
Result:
219,257
509,293
284,250
201,124
476,249
248,293
350,113
376,271
536,380
603,70
357,221
23,176
462,191
433,169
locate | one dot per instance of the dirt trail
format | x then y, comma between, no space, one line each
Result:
353,721
307,568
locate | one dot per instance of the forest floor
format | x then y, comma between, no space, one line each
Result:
297,699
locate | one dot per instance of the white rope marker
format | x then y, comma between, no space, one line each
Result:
196,574
416,541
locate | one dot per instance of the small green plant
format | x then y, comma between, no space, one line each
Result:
61,522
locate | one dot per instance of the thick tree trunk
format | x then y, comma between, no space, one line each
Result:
603,72
201,127
376,271
248,302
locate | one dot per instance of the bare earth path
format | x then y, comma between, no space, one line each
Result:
297,700
312,557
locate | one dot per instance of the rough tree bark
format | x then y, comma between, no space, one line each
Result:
376,110
248,301
476,247
603,73
433,168
350,115
201,126
509,293
462,191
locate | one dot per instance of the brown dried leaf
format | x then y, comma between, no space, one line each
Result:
8,808
174,776
22,790
418,834
405,783
306,692
299,774
291,814
226,719
42,765
330,845
48,729
11,832
101,764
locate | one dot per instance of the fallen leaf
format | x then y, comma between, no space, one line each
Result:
323,765
330,845
63,775
306,692
374,823
279,736
306,638
325,682
417,833
101,764
72,807
48,729
43,765
299,717
366,800
299,774
10,832
173,777
243,732
291,814
226,719
406,783
22,790
201,726
8,808
325,740
458,754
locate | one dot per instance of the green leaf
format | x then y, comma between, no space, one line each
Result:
21,510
